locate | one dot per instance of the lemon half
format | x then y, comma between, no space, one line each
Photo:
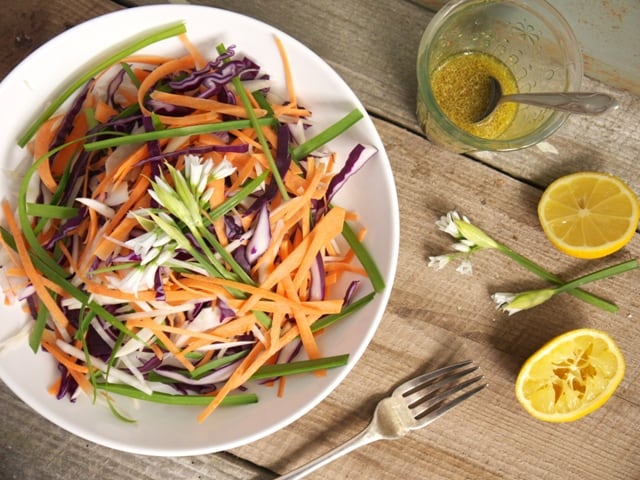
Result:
589,214
571,376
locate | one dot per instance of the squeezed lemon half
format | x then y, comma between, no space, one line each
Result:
571,376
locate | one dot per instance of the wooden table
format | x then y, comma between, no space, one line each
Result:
433,316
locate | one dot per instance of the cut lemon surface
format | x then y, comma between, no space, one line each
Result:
589,214
571,376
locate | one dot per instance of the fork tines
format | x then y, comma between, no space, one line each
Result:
432,394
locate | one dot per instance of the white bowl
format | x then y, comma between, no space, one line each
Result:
170,430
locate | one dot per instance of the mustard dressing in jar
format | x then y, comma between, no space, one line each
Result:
461,88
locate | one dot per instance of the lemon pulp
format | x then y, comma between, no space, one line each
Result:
571,376
589,214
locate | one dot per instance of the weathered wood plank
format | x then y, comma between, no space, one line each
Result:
27,24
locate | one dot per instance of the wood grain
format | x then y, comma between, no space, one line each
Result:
433,316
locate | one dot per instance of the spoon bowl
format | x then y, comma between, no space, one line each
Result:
586,103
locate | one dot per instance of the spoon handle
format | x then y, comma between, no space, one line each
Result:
573,102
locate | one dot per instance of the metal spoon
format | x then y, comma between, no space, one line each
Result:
574,102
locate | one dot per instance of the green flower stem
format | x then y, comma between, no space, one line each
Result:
302,366
365,258
599,275
172,399
227,257
544,274
173,132
304,149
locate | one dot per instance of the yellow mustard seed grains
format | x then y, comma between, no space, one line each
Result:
461,88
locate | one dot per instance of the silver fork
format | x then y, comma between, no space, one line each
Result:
413,405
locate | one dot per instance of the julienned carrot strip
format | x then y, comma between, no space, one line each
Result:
199,59
162,71
55,386
205,104
244,172
250,364
125,167
36,279
327,228
344,267
265,263
146,59
63,157
248,136
142,323
10,253
41,144
287,72
240,325
303,322
93,227
166,341
190,120
172,296
240,375
120,233
139,190
62,358
282,381
276,302
20,273
290,110
104,111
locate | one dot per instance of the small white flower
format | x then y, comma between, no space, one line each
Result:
223,169
465,267
463,245
502,298
148,245
448,225
195,171
206,196
439,262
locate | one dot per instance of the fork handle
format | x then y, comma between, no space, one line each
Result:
363,438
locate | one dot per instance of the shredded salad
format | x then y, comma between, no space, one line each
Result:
175,236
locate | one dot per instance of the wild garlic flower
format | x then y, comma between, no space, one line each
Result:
515,302
469,239
190,190
150,245
468,235
154,248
